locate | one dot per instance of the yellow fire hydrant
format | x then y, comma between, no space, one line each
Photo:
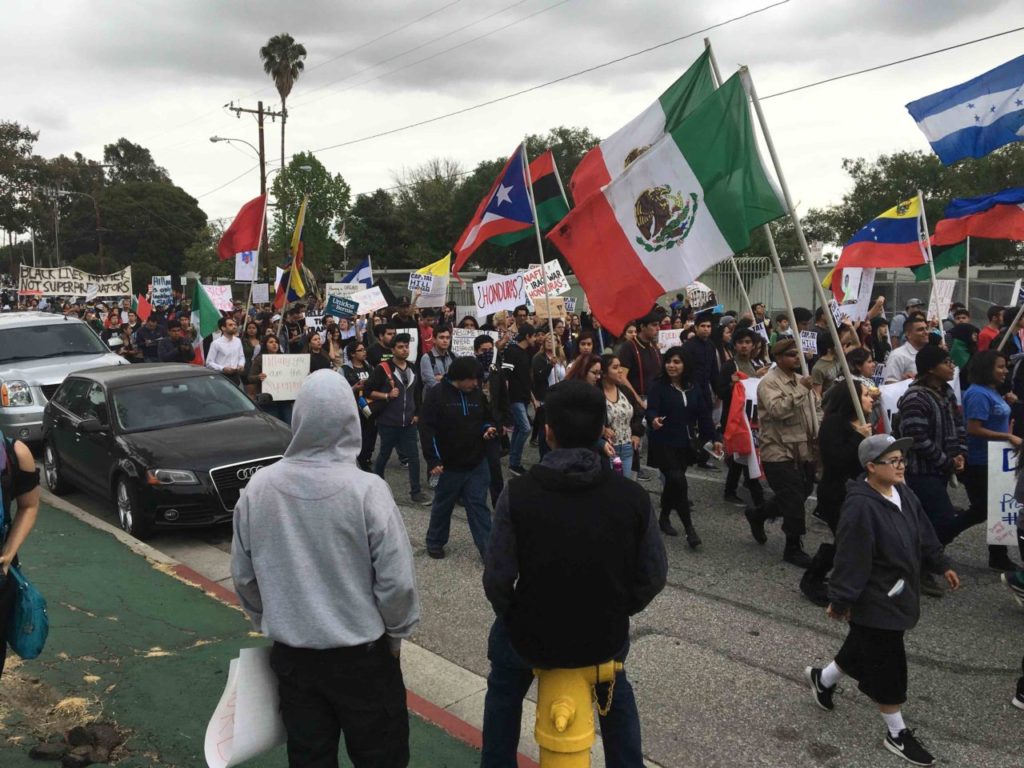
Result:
565,713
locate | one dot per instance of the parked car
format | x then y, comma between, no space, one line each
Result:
169,444
37,350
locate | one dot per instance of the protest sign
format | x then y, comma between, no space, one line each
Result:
1017,297
463,338
890,398
260,293
91,292
809,342
837,315
285,374
940,299
247,721
537,287
858,287
498,293
1003,509
246,265
556,307
68,281
414,343
345,290
699,295
668,339
341,307
315,322
570,304
760,330
163,296
436,296
220,295
752,460
421,283
370,300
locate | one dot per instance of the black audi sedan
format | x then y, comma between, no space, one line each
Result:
170,444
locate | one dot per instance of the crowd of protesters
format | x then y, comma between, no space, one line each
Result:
665,412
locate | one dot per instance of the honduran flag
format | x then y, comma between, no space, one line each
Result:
999,217
976,117
684,205
613,155
363,273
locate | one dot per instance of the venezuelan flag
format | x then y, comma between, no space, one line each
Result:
291,288
890,240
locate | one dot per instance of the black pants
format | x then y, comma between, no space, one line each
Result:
792,484
732,481
492,450
368,428
7,595
357,692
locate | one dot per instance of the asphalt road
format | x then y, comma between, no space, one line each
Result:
717,659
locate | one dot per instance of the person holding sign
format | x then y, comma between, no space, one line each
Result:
281,409
875,587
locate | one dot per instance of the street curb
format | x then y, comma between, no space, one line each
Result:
421,707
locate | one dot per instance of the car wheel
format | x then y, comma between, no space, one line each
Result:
130,516
54,472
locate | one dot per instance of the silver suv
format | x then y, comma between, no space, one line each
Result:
37,350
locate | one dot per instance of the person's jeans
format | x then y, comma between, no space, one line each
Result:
358,692
932,491
520,434
507,684
792,484
404,439
625,452
280,409
472,486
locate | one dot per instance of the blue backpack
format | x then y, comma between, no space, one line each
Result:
29,623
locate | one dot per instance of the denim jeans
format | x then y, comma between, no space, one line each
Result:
625,452
404,439
932,491
472,485
520,434
280,409
507,684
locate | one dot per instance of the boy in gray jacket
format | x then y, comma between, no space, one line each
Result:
883,540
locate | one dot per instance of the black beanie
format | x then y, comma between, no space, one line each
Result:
929,357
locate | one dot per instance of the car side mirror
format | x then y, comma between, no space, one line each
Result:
91,426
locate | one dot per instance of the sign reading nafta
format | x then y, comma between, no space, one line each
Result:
68,281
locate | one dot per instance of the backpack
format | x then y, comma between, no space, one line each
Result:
377,406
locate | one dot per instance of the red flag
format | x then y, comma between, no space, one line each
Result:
144,308
245,231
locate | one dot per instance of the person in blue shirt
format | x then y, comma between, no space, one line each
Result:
987,414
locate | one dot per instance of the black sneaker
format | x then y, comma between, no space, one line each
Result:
643,474
822,695
732,498
421,498
436,553
517,470
908,747
1018,700
403,461
756,521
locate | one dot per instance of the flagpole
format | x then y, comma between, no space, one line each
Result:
967,287
767,232
540,241
925,238
748,83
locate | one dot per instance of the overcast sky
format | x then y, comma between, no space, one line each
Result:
85,72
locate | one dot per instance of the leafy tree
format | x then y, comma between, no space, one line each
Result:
282,60
371,224
142,275
424,204
16,142
131,162
201,256
329,198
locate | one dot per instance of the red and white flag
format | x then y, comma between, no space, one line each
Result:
245,232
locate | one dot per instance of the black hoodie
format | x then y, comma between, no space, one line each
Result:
877,544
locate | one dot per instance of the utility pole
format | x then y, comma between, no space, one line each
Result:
261,114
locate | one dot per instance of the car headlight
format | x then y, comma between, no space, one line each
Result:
171,477
15,393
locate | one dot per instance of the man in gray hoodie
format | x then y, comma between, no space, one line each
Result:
322,565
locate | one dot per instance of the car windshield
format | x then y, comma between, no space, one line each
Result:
157,405
36,342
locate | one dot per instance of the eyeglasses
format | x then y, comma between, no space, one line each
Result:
897,462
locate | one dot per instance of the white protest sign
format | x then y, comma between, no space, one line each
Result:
556,284
752,461
315,322
495,294
285,374
940,299
421,283
570,304
220,295
1003,508
759,329
463,338
700,295
68,281
163,295
437,295
246,264
890,398
91,292
260,293
809,342
247,721
668,339
345,290
414,342
837,315
1016,297
369,300
855,308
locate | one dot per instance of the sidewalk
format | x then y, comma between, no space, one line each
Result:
133,645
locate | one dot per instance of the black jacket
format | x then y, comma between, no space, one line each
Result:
496,397
700,361
519,379
170,351
877,544
452,425
402,410
839,442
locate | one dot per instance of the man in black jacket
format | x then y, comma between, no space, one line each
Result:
495,392
883,540
520,393
568,524
175,348
700,361
454,428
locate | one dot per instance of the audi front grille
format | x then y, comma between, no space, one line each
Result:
230,479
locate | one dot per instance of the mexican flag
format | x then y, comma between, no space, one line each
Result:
204,314
611,157
686,204
548,196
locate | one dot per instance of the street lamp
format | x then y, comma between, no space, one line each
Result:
215,139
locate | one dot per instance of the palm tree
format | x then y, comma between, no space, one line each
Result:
282,60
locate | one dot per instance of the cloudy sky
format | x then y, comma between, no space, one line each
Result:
86,72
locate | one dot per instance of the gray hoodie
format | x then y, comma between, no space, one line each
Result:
320,557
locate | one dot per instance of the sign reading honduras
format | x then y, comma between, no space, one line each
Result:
976,117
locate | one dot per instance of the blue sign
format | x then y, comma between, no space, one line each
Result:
338,306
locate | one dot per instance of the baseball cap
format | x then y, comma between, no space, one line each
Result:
873,448
915,303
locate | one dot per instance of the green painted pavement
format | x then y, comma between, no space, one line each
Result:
146,650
